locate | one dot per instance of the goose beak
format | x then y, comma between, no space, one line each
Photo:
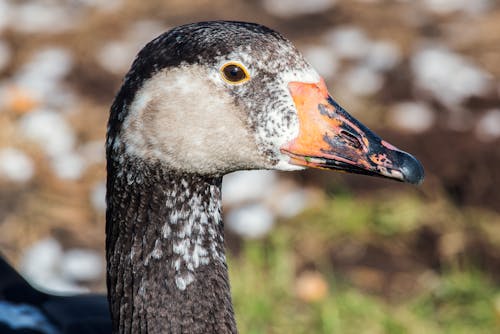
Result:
330,138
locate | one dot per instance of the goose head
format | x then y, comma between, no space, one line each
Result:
215,97
200,101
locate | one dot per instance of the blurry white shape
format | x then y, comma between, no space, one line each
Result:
251,221
98,196
5,54
42,76
68,166
488,126
450,6
24,317
288,8
323,59
36,17
16,165
49,130
117,56
40,265
412,116
82,265
363,81
56,137
449,77
348,42
291,203
41,259
52,63
245,186
383,56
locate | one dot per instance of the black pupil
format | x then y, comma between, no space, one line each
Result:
234,73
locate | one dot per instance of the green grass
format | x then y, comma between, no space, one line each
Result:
263,275
463,303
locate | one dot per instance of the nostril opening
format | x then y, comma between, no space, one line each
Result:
351,139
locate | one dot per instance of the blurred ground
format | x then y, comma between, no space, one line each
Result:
317,252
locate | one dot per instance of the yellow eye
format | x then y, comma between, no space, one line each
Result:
234,73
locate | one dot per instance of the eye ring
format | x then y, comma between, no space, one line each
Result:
234,73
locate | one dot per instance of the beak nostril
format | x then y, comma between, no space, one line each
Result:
351,139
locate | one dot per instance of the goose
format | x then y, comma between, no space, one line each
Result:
200,101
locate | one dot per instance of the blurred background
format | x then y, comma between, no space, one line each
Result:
310,252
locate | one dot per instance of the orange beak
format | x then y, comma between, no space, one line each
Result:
330,138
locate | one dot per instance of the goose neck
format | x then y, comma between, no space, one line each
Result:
165,250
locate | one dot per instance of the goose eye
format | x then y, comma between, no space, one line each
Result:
234,73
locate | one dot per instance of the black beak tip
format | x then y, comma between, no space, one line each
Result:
411,168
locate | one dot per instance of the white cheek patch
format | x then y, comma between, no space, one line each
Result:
186,119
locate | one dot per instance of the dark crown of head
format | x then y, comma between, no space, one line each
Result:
198,43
